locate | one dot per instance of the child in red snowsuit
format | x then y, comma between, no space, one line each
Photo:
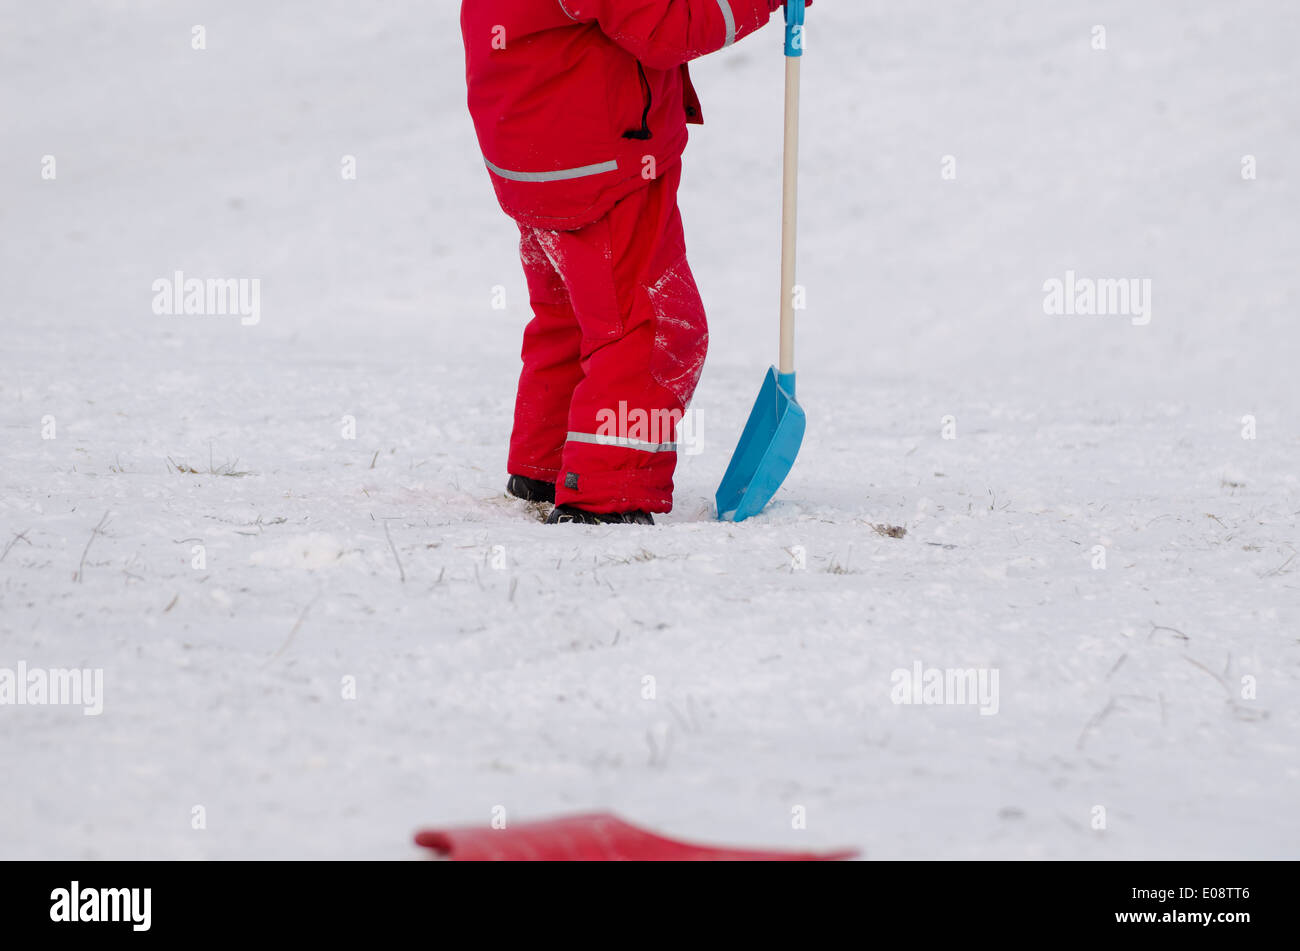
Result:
581,109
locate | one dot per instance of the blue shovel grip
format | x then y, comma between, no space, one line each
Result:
795,10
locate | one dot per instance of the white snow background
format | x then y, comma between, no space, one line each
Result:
523,686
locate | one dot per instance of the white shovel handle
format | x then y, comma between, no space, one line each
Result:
789,211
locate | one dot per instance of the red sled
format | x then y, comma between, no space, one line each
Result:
592,837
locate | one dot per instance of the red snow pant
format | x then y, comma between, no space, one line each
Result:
611,356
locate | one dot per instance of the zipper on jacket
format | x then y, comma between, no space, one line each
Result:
644,131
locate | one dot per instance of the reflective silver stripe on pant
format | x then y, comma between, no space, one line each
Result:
561,175
624,442
730,18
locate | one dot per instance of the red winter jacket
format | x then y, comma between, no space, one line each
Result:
573,99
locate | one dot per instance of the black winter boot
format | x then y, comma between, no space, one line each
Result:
565,514
530,490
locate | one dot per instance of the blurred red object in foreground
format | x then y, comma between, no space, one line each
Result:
594,837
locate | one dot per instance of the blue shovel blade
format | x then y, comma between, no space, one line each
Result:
766,451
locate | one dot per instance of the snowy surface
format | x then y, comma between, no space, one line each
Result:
508,667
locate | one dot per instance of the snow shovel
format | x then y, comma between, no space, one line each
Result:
771,439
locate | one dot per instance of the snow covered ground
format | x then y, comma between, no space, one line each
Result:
498,662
